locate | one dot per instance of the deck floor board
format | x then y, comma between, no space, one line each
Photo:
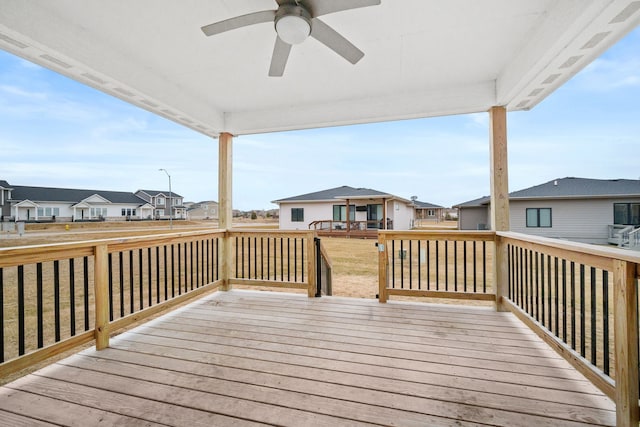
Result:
247,357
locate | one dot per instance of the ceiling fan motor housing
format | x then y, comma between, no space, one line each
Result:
293,23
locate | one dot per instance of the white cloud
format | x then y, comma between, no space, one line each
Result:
21,92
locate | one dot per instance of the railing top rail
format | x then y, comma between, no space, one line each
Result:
271,232
576,248
438,234
39,253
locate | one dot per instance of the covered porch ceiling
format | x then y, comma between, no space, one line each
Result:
422,57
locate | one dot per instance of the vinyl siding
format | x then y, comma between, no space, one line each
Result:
470,218
576,220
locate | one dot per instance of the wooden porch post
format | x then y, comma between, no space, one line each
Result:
348,220
101,292
225,210
384,213
499,198
625,296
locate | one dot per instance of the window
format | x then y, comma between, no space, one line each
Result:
100,212
539,217
431,212
626,213
126,212
340,212
49,212
160,201
297,214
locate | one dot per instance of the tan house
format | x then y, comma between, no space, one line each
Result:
203,210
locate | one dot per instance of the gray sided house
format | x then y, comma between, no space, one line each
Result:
66,204
165,204
579,209
5,195
203,210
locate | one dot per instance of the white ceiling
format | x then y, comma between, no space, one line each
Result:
422,57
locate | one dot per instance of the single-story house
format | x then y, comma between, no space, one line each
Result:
428,212
346,208
577,209
203,210
162,202
66,204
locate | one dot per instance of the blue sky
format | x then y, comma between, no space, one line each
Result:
56,132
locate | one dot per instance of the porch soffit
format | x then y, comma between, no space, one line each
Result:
422,58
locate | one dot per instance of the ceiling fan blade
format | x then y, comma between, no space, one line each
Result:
239,21
334,41
279,58
324,7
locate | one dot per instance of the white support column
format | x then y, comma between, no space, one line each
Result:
225,173
499,198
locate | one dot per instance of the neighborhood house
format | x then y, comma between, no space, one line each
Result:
33,204
596,211
347,209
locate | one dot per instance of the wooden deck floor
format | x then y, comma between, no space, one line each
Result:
248,357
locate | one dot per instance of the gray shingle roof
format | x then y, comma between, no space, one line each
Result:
156,192
46,194
581,187
4,184
570,187
482,201
426,205
339,192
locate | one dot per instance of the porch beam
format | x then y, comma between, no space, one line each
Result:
225,210
499,198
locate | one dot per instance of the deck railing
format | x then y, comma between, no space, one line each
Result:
55,297
274,258
324,270
581,299
436,264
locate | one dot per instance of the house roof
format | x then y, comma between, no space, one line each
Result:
481,201
154,193
4,184
426,205
50,194
570,187
341,193
422,58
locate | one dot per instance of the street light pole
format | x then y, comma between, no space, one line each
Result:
170,200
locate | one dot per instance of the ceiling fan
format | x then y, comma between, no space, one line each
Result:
295,21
